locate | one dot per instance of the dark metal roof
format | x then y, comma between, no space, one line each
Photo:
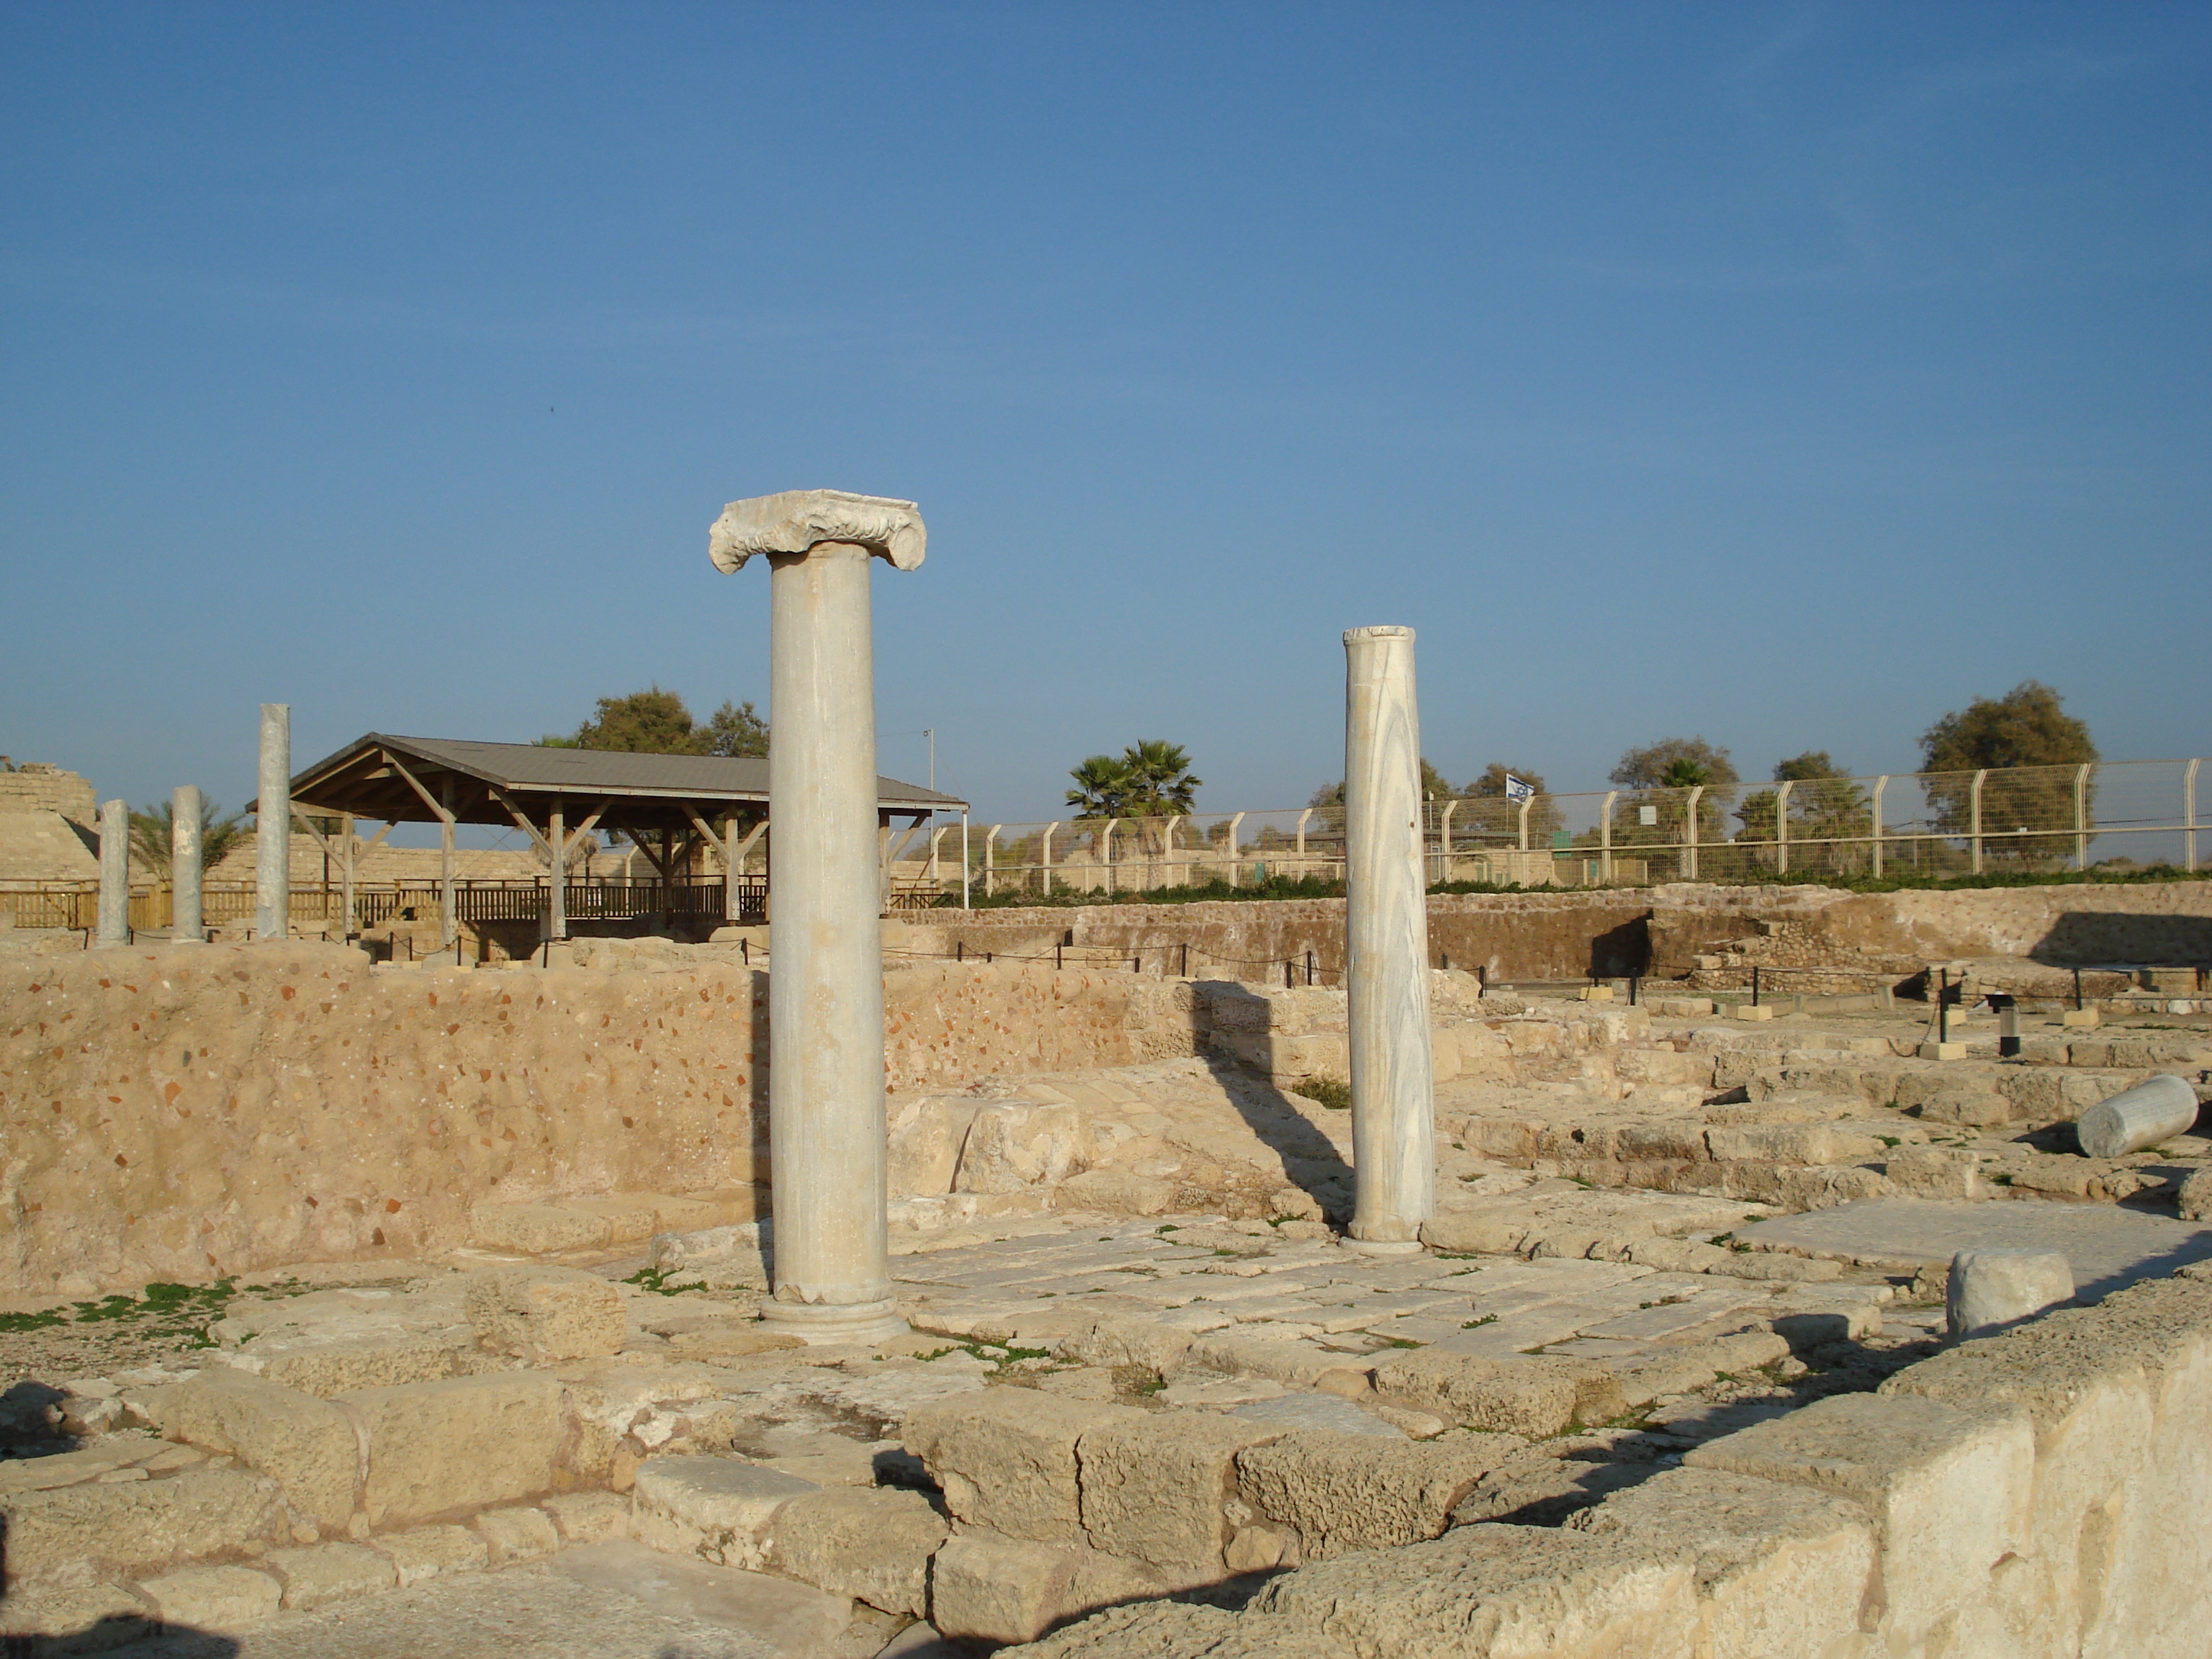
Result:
360,779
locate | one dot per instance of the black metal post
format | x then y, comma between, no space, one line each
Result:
1287,973
1755,986
959,950
1186,960
2077,990
1635,984
1056,961
745,951
1309,968
1943,1006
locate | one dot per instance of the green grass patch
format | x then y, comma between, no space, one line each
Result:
657,1280
1333,1093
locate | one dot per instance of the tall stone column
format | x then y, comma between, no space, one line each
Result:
825,1085
114,920
185,847
1387,945
272,826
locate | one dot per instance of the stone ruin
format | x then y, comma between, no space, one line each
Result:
1094,1330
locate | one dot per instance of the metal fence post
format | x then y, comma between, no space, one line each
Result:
1880,784
1690,814
1525,806
1781,827
1444,839
1605,834
1229,846
1044,856
1974,819
2081,818
2189,811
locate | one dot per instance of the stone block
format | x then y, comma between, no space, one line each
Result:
212,1599
306,1445
2196,1197
1296,1364
1176,1630
1006,1458
586,1517
872,1544
1758,1015
57,1621
128,1530
1780,1570
1533,1395
1015,1145
1117,1191
1993,1290
546,1315
1343,1491
326,1369
517,1534
1933,1050
1154,1484
328,1573
1489,1590
1775,1269
1948,1486
1677,1368
2080,1020
1934,1172
716,1508
423,1552
1789,1143
534,1229
990,1591
466,1443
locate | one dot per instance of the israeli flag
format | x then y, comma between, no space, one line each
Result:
1517,791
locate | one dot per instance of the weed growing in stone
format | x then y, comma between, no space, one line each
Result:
656,1281
1333,1093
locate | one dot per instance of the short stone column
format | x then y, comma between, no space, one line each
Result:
2136,1118
1386,930
1994,1290
825,1081
272,826
186,824
114,924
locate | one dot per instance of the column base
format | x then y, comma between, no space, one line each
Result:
1384,1246
820,1323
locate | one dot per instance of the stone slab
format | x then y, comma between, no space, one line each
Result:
1317,1411
2109,1247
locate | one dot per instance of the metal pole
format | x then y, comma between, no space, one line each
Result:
2188,806
1974,817
1880,784
1690,811
2081,818
1754,984
1943,1007
1605,834
1781,827
967,879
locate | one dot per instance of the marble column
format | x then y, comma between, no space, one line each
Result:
272,826
1387,945
825,1088
185,825
114,922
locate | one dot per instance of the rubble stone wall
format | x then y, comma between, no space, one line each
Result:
179,1112
1613,931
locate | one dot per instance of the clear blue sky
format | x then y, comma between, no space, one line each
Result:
1788,375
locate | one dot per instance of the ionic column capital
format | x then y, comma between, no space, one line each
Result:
796,521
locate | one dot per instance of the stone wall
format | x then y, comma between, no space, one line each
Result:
1659,931
2032,1493
36,787
178,1113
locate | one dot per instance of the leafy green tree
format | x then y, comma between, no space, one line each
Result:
1664,764
657,722
152,829
1660,773
736,729
1489,809
2031,747
1823,806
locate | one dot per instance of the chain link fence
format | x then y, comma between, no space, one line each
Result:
2020,820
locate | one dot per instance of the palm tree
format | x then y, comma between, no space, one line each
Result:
1160,780
1102,785
152,829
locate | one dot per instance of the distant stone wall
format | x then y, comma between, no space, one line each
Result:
1659,931
176,1113
35,786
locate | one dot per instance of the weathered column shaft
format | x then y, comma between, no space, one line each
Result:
825,1086
556,894
1387,943
114,920
186,848
825,986
272,827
